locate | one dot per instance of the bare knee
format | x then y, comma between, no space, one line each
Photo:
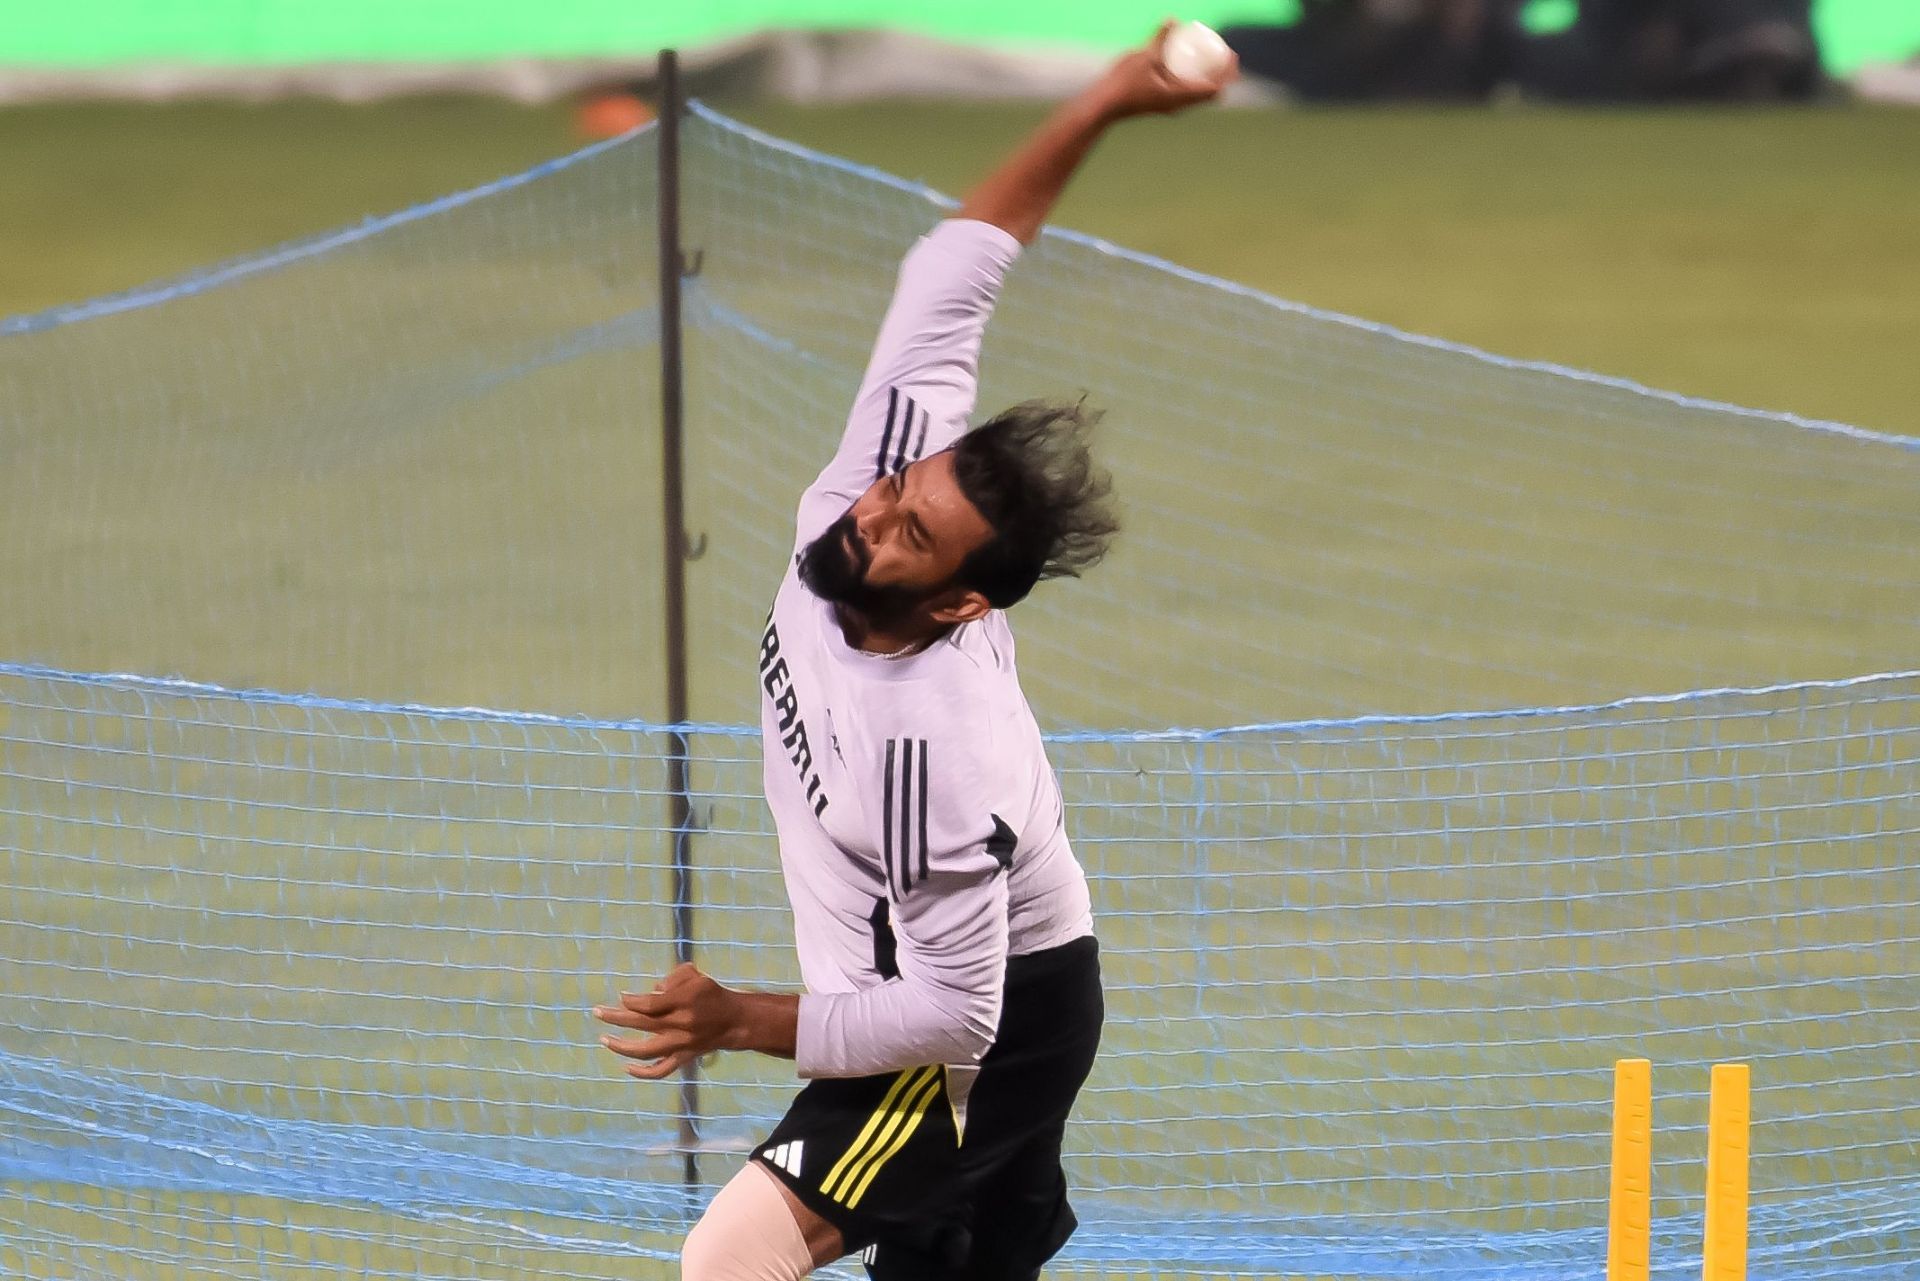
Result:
747,1234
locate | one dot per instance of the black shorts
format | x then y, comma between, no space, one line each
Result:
880,1158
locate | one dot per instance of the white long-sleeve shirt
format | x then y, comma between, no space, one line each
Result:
921,829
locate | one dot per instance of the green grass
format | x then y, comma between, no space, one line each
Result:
1426,945
1768,258
1420,548
109,196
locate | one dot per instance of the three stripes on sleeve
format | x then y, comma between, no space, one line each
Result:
905,438
903,815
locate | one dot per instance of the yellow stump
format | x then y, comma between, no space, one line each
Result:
1630,1195
1727,1117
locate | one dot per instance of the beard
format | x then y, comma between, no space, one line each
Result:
834,568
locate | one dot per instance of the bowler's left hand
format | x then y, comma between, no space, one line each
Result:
685,1016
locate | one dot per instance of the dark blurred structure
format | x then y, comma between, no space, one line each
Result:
1465,50
1655,50
1355,50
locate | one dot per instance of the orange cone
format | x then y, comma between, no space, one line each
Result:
610,114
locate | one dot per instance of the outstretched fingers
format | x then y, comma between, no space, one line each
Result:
665,1015
660,1069
660,1045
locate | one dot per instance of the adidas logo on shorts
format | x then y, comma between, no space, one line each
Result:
787,1156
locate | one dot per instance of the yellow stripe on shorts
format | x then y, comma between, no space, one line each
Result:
868,1138
915,1109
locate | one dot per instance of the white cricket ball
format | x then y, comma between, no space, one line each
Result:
1194,51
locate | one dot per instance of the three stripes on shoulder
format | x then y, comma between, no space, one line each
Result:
894,450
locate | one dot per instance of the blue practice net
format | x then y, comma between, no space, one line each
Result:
297,982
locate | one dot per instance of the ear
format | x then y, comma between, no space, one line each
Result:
963,606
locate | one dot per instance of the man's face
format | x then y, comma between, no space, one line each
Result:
899,545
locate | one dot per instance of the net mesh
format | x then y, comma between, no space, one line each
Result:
419,463
297,984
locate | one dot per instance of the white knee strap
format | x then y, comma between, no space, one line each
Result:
747,1234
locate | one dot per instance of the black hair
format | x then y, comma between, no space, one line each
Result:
1029,472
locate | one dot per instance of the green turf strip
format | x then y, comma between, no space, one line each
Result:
1768,258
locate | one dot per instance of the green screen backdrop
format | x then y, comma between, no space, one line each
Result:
82,33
